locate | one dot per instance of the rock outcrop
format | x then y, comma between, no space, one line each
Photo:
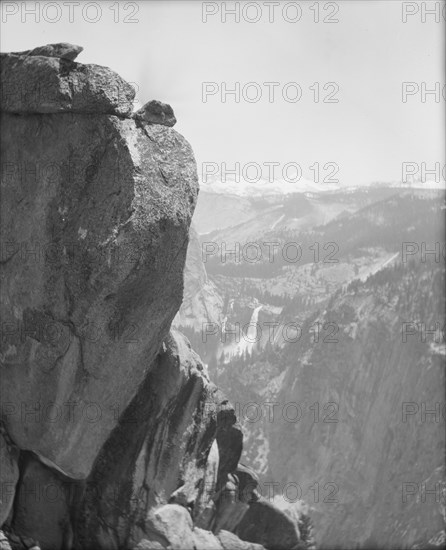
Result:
112,434
95,214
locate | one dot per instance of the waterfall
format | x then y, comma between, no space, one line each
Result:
248,341
252,330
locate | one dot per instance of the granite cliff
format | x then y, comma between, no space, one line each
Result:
112,435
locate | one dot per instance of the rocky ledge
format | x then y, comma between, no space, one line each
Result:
112,435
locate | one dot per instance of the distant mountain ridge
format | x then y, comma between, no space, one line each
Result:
266,187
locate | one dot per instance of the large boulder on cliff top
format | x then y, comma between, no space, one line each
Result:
33,83
156,112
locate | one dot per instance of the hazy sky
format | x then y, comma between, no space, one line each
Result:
170,52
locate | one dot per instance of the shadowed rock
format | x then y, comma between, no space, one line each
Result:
9,474
266,524
42,505
248,483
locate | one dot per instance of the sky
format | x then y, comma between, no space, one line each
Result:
173,50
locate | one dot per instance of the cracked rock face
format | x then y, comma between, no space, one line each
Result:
164,452
156,455
94,220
